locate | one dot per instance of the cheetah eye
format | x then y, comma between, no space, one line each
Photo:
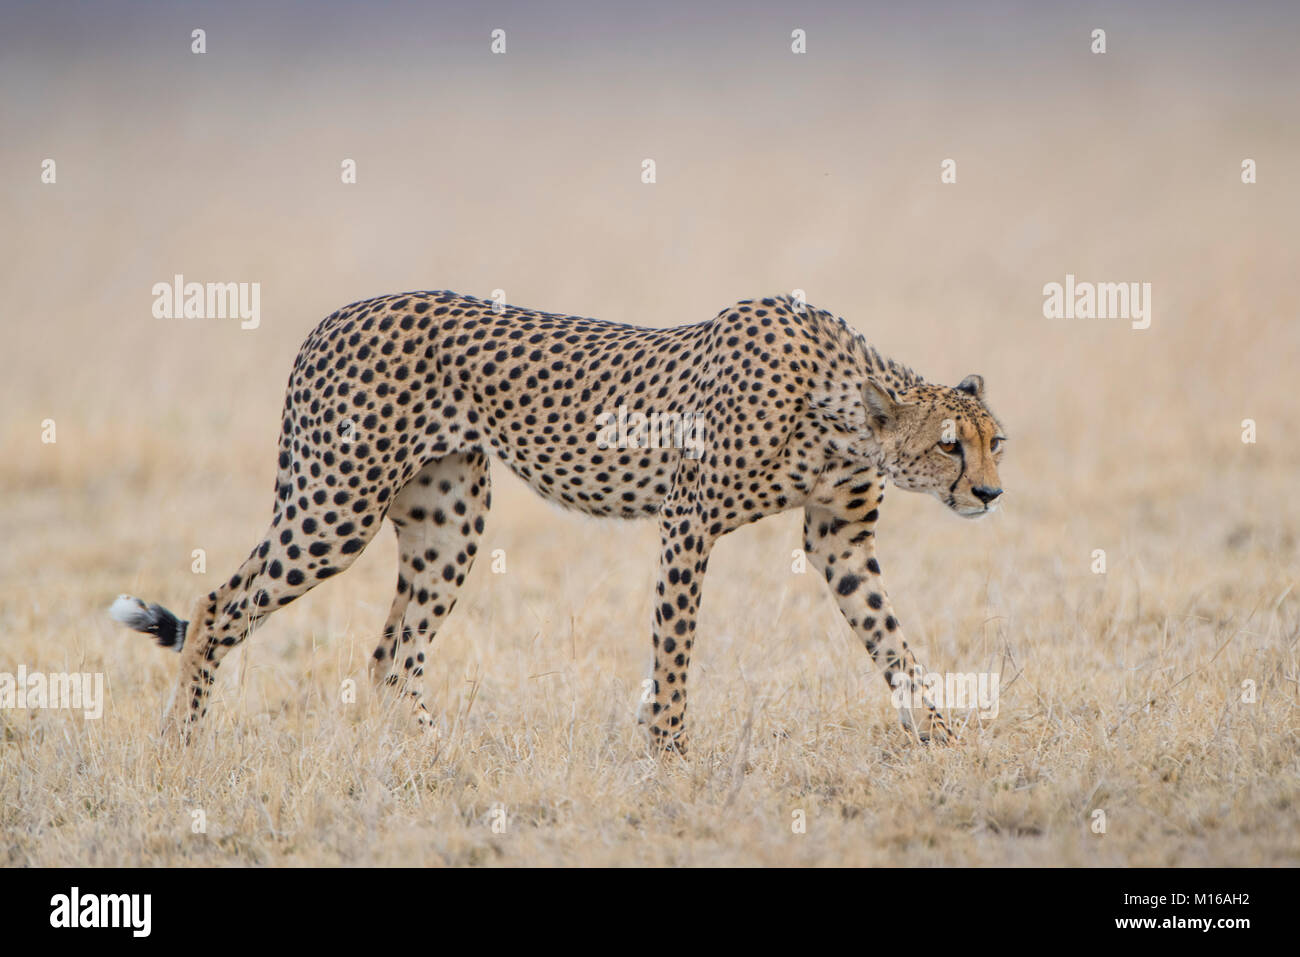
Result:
948,447
996,443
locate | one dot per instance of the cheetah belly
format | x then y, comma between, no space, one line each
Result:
611,483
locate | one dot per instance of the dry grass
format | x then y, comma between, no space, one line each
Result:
1122,692
1126,697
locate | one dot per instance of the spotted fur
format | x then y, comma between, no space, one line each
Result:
395,404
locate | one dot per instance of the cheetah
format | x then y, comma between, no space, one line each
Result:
396,403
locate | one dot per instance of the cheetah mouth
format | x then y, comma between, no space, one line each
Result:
970,511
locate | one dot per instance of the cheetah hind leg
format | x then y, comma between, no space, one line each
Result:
439,516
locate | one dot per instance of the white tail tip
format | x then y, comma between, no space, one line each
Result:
131,611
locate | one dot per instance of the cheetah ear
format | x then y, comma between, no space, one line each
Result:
972,385
882,408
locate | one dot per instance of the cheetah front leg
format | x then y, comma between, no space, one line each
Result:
840,540
683,559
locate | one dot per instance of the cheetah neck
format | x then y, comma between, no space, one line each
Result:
873,362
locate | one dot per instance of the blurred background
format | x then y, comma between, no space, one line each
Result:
775,171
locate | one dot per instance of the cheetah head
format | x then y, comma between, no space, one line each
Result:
939,440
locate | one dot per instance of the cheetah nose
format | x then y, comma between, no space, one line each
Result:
986,494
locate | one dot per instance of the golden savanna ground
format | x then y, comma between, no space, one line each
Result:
1124,692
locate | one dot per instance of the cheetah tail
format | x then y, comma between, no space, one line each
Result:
151,619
